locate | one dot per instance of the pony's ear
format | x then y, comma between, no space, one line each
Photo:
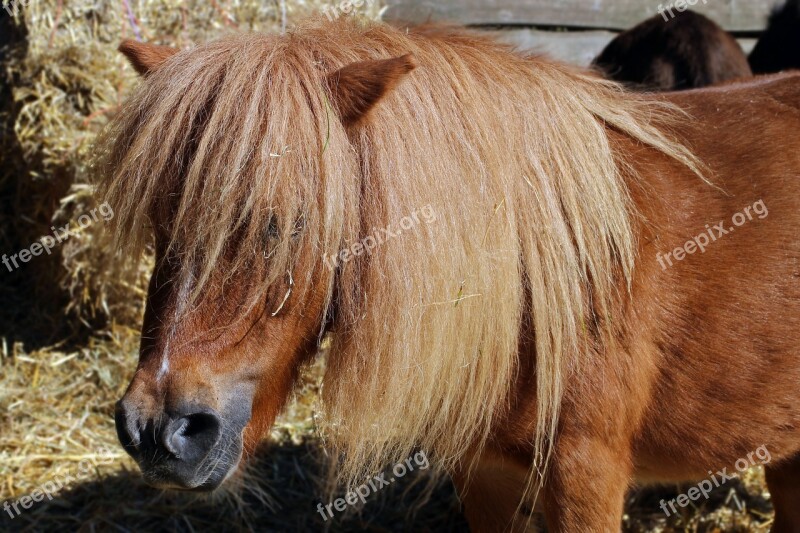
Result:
146,57
357,87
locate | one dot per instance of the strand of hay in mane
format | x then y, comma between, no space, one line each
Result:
531,216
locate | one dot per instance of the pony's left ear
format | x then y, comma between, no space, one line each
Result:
144,57
358,87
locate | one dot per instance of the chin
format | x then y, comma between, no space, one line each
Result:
214,471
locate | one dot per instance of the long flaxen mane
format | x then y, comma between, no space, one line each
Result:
532,217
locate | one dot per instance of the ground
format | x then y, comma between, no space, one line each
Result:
58,411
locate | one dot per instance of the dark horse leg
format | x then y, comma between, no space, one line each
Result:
783,480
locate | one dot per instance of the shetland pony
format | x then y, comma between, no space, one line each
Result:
778,48
526,334
686,52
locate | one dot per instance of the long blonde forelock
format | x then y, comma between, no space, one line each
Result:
204,145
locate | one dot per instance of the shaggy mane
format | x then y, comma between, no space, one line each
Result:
512,154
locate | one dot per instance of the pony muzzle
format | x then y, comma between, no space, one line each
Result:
189,448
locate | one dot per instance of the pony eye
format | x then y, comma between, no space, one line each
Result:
272,231
271,237
299,226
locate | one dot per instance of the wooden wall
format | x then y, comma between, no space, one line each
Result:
733,15
529,24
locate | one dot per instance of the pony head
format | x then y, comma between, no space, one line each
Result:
244,204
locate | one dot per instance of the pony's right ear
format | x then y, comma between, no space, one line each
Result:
356,88
146,57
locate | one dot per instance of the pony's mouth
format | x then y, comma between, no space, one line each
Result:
170,473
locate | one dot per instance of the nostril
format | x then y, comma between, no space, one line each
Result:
176,438
201,424
193,436
127,427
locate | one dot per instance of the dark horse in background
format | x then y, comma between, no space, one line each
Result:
778,48
685,52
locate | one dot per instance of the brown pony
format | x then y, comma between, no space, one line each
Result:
522,331
684,52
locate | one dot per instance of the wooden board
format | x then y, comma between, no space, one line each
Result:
578,48
733,15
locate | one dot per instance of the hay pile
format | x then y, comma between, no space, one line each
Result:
69,321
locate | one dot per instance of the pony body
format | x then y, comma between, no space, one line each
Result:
527,336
